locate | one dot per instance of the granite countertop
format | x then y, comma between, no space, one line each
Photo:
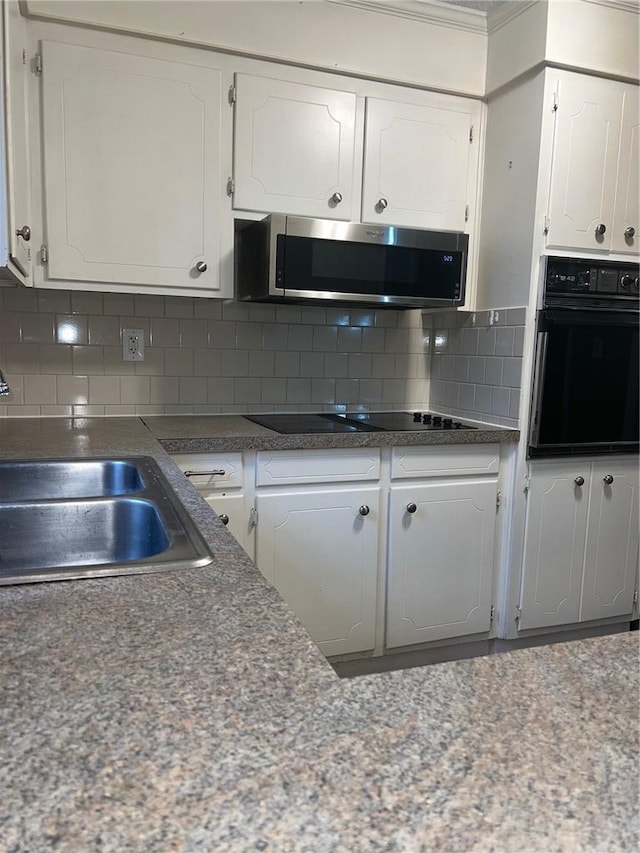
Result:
202,433
190,711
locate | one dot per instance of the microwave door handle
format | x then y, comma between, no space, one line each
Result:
538,382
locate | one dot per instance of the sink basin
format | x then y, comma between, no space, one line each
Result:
67,478
64,519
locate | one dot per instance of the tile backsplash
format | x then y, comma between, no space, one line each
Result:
61,353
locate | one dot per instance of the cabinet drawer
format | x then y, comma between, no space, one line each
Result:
199,467
444,460
317,466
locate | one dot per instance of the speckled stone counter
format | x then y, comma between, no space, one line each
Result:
202,433
190,711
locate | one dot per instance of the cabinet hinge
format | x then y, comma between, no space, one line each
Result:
547,224
471,134
466,213
233,94
37,63
231,186
44,254
635,596
518,613
253,517
556,101
492,614
527,485
498,498
24,56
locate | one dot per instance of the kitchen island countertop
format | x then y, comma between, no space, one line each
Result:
190,711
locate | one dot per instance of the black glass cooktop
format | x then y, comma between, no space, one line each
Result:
357,422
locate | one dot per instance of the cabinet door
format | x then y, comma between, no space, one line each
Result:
626,220
585,159
554,544
234,508
416,165
320,552
440,561
612,540
18,188
293,148
132,152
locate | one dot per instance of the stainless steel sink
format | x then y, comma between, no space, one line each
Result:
49,532
67,478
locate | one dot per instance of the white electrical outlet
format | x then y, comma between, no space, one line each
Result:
133,344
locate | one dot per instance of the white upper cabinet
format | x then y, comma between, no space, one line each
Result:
294,148
131,170
15,232
416,164
586,159
626,218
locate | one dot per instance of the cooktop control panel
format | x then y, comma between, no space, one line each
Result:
357,422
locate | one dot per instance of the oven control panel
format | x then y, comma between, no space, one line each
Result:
589,278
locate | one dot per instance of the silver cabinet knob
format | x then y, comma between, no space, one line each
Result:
336,198
630,232
601,229
382,203
201,266
224,518
579,481
364,510
608,479
411,508
24,232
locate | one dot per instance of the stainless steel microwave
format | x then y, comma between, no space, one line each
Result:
293,259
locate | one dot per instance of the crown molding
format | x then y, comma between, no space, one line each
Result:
501,15
622,5
432,12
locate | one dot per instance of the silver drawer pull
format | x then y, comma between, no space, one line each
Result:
217,472
224,518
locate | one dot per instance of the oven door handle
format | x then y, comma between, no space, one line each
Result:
538,383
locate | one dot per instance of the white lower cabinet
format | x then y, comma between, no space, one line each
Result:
319,548
581,541
441,543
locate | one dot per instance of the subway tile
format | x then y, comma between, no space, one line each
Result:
516,316
451,395
511,372
347,391
285,314
194,333
360,365
299,337
325,338
235,311
274,336
482,399
114,365
262,313
180,307
518,341
406,366
222,334
207,309
500,401
56,358
207,362
39,390
165,332
145,305
470,341
349,339
193,389
493,371
54,301
234,362
514,403
383,366
323,391
16,390
423,362
504,340
466,396
21,358
86,302
461,368
10,327
274,391
149,409
336,365
487,341
393,391
262,363
72,390
87,411
134,389
153,364
370,391
362,317
103,330
164,389
131,322
247,390
455,341
386,318
56,411
395,340
338,317
208,409
435,367
249,335
313,314
287,364
120,304
87,360
476,369
38,329
312,364
19,299
437,392
178,362
298,391
69,329
447,363
440,340
373,339
104,390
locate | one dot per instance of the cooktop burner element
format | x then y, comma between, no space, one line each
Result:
357,422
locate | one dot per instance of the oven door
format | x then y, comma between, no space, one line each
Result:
585,397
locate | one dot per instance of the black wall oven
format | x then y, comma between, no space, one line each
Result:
585,394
